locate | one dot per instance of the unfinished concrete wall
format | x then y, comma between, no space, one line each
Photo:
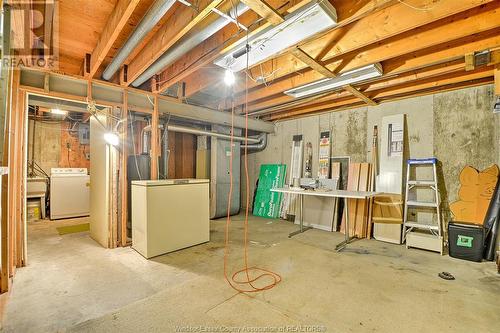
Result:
51,144
457,127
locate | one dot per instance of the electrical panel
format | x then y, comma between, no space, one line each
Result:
84,134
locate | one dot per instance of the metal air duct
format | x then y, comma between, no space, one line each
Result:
152,17
186,44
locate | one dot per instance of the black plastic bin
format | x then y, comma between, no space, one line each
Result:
466,241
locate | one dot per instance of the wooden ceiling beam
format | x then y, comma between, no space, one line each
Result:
264,10
321,69
182,21
368,30
437,35
434,71
396,91
116,22
197,59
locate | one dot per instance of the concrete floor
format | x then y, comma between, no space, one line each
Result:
72,284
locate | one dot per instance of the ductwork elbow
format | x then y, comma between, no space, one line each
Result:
254,148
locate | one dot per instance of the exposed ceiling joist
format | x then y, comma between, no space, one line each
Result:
368,30
438,34
184,19
197,59
264,10
119,17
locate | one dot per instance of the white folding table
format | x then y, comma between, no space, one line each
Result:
329,194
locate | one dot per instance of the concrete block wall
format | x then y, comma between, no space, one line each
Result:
458,127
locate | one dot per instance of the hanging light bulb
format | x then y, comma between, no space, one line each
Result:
112,138
229,77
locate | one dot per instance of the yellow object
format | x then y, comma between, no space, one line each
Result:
476,190
73,229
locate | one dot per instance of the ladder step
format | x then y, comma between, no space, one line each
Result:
421,226
422,182
422,204
431,160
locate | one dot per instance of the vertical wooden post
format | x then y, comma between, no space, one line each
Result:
154,140
12,185
4,229
123,174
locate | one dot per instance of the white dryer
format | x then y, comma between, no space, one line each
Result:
69,193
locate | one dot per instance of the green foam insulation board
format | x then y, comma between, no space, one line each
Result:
267,203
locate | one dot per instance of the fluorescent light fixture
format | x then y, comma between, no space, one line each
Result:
229,78
303,23
58,111
111,138
324,85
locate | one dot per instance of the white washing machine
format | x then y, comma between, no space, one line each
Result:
69,193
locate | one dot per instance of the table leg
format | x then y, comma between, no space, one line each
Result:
340,246
302,229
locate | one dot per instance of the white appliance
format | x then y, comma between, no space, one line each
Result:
69,193
169,215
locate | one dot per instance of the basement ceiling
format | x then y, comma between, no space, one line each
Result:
422,46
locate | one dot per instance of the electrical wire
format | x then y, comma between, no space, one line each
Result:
251,275
133,145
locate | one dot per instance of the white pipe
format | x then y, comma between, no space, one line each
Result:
152,17
196,131
188,43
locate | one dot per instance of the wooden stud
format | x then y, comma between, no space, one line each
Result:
311,62
123,171
154,140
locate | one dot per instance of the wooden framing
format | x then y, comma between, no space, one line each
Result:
119,17
344,39
155,146
123,172
184,20
264,10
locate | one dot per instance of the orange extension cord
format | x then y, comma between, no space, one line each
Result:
245,284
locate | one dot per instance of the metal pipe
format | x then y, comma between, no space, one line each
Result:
197,131
152,17
188,43
260,146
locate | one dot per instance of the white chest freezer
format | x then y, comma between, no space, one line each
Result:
169,215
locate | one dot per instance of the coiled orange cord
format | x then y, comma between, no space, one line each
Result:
247,283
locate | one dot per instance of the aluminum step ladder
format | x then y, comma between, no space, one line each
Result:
420,234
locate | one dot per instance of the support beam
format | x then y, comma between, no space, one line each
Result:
123,172
155,143
262,8
116,22
320,68
360,95
311,62
183,20
74,88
